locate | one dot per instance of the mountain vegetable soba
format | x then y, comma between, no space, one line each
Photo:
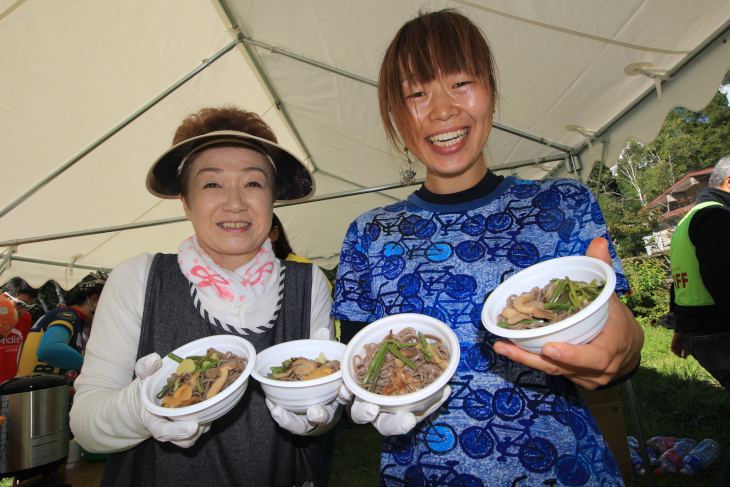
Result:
198,378
402,363
555,302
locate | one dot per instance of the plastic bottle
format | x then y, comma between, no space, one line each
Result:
700,457
653,456
636,462
672,458
633,442
660,444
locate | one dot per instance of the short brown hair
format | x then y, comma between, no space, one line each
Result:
212,120
443,42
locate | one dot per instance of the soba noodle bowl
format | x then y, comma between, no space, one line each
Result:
300,368
550,304
214,373
382,371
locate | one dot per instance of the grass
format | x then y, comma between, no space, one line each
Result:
678,398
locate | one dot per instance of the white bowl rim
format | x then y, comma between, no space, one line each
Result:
290,384
208,403
594,306
413,397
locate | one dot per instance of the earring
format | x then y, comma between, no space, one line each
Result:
407,170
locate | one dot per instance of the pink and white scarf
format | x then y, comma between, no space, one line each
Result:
239,286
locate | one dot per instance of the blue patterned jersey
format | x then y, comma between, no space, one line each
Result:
504,423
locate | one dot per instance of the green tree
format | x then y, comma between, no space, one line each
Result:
688,141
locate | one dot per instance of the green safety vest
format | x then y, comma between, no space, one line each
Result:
689,290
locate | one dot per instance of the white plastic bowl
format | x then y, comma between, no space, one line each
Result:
375,332
297,396
210,409
580,328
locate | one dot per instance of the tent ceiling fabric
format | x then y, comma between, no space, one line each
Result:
73,70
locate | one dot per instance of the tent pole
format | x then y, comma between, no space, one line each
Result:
530,162
6,258
339,178
60,264
247,42
120,126
153,223
332,69
241,37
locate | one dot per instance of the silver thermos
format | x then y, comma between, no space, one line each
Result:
34,438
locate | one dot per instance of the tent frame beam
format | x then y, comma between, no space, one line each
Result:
247,42
114,130
153,223
347,74
60,264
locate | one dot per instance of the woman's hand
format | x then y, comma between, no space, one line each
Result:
388,424
319,418
613,353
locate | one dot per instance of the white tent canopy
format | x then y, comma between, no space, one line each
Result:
114,79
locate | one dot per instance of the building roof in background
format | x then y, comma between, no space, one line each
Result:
689,180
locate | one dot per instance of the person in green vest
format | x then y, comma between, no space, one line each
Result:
700,265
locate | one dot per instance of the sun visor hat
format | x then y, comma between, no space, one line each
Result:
294,181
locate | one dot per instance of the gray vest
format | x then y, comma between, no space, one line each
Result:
245,447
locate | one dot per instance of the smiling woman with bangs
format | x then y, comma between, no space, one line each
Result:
509,416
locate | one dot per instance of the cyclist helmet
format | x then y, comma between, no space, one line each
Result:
93,283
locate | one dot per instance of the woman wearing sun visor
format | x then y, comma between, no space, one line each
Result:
228,171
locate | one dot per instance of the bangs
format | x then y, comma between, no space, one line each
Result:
448,49
432,44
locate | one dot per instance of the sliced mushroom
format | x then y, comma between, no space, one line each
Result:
282,375
212,373
303,367
319,373
220,381
512,316
544,314
409,352
190,402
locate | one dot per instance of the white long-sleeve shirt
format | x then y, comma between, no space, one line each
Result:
105,415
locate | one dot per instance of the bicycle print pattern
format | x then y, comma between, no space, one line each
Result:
504,423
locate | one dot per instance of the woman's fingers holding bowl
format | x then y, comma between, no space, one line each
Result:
598,249
364,412
613,353
578,363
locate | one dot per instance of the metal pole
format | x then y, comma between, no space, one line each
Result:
132,226
61,264
649,474
370,82
6,259
248,41
531,162
241,37
120,126
93,231
311,62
